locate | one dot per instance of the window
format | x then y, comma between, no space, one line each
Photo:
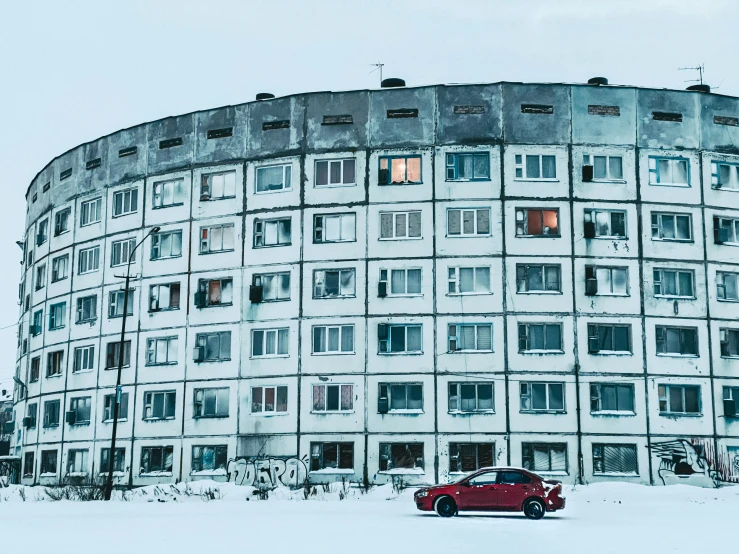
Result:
90,212
217,238
400,225
116,299
119,460
164,297
605,168
210,402
536,167
400,397
217,186
88,260
605,224
469,280
468,167
471,398
541,337
273,178
615,459
166,244
31,411
609,339
399,339
214,292
725,176
38,323
335,228
40,276
159,404
79,411
61,221
334,283
161,351
542,457
542,397
272,232
87,309
398,455
84,359
468,223
470,337
672,226
213,347
270,342
467,457
57,315
669,282
265,400
156,460
726,230
28,465
679,399
336,172
668,171
681,341
209,458
109,407
399,170
77,461
125,202
331,455
35,369
168,193
729,339
121,250
537,223
48,462
333,339
51,413
727,286
113,351
538,278
275,286
610,397
43,232
731,402
606,281
403,282
333,398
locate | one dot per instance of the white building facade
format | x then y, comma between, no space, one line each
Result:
406,281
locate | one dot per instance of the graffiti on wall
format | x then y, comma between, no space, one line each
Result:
268,471
692,462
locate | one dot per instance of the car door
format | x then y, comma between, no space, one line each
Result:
513,488
479,492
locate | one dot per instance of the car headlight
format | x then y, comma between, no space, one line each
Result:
421,494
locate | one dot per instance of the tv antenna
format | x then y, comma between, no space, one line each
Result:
701,69
376,67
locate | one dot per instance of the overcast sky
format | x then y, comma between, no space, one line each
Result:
75,70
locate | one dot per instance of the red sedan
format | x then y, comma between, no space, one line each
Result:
494,489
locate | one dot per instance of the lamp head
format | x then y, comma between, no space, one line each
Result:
155,230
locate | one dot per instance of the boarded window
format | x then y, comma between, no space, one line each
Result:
667,116
595,109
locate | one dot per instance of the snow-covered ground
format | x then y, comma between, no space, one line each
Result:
598,519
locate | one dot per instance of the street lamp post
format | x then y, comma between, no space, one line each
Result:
121,347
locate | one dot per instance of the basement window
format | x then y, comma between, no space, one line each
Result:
170,143
220,133
537,108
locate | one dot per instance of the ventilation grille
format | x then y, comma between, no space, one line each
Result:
280,124
170,143
537,108
130,151
66,174
473,110
337,120
220,133
402,113
92,164
667,116
726,120
596,109
47,186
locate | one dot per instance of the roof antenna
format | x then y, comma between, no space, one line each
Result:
700,69
376,67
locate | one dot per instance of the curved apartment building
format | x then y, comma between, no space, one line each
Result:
404,281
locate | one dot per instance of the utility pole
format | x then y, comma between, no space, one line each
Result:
121,349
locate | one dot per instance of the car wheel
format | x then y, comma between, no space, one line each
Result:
446,507
534,509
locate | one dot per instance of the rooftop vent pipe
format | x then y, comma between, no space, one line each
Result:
598,81
699,88
392,82
264,95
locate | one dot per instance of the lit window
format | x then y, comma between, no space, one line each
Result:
537,223
399,170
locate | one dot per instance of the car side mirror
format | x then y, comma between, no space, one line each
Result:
465,484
